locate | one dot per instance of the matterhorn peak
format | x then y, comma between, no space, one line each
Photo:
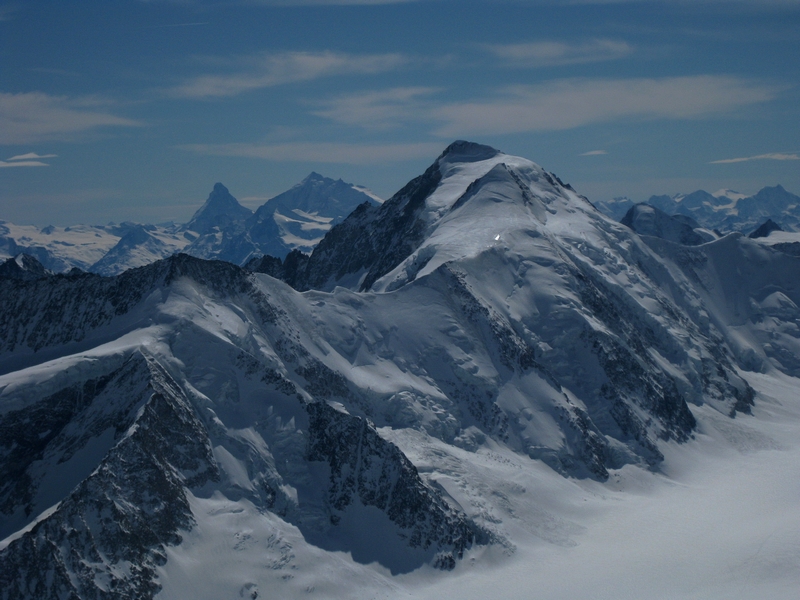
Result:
220,210
312,177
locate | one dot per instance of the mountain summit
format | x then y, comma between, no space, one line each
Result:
301,216
453,193
473,367
220,210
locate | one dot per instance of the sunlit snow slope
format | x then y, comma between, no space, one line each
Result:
481,374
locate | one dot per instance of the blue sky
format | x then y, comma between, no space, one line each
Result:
132,110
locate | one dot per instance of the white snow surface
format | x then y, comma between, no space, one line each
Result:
717,519
83,246
721,522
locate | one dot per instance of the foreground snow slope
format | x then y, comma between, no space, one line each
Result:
491,378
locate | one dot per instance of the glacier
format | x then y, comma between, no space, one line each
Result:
482,386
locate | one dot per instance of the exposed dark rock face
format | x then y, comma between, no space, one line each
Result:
365,467
290,269
106,537
67,308
765,229
24,267
790,248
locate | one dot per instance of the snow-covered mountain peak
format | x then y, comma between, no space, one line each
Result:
312,177
729,194
457,208
316,194
464,167
463,151
219,210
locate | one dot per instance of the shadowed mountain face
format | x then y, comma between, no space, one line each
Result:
765,229
220,211
681,229
434,360
23,266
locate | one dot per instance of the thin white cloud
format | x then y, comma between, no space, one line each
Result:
170,25
570,103
22,163
269,70
329,2
33,117
770,156
594,153
321,152
550,53
32,156
382,109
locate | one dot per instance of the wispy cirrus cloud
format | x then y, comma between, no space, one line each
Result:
770,156
594,153
32,156
328,2
31,117
551,53
322,152
554,105
383,109
190,24
22,163
268,70
570,103
31,159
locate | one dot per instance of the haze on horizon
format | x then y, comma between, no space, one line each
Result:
132,110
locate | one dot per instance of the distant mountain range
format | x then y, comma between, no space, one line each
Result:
279,236
725,210
221,229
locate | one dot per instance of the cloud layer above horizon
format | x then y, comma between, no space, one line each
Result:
144,101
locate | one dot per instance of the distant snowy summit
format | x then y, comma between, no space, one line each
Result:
724,210
221,229
294,220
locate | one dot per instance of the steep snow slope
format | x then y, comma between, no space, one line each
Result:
303,215
751,292
481,388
